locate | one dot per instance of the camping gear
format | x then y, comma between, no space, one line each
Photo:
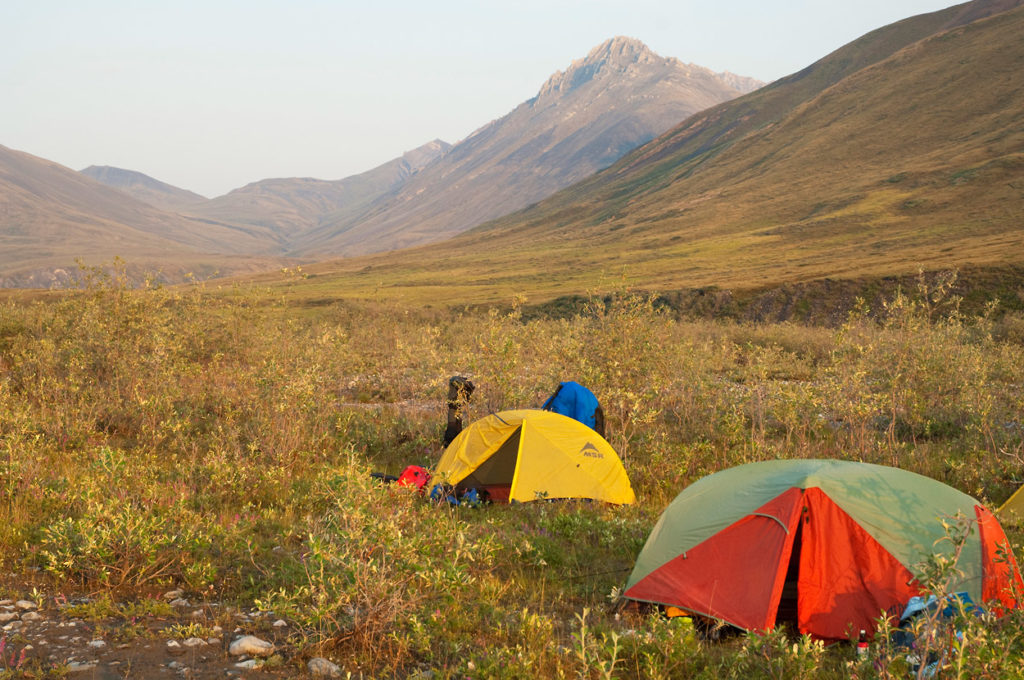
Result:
824,545
527,454
576,401
945,610
459,391
444,493
414,476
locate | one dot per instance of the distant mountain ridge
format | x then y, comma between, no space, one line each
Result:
50,215
902,150
294,206
144,187
619,97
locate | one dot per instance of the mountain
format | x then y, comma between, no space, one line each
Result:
582,120
50,215
145,188
621,95
292,207
901,150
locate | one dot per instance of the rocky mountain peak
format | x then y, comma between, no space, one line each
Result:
622,51
615,56
423,155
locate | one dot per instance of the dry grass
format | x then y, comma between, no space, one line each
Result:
173,437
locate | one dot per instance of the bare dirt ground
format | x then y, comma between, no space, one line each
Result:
50,635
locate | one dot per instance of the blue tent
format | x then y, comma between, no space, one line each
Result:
576,401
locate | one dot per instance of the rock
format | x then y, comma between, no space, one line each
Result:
321,667
14,625
194,642
25,605
251,645
280,623
212,641
251,663
174,647
179,602
6,617
77,667
171,595
98,644
6,603
32,616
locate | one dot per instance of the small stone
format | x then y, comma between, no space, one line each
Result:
174,595
98,644
194,642
280,623
8,616
6,603
251,645
251,663
217,630
174,647
32,616
14,625
26,605
212,641
77,667
179,602
321,667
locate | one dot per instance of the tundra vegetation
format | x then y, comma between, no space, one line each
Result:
221,441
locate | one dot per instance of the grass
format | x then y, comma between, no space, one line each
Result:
222,444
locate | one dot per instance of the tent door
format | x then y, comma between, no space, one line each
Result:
499,468
786,615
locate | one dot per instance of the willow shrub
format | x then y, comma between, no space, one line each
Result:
222,441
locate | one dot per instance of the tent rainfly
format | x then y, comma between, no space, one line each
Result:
528,454
825,545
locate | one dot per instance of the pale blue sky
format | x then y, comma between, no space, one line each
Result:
210,95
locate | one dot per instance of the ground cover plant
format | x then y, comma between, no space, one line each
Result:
221,442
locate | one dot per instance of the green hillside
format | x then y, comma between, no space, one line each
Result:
900,151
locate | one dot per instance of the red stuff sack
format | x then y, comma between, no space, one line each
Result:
415,477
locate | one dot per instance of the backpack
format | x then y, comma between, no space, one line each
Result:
576,401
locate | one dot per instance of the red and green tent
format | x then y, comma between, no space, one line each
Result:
827,545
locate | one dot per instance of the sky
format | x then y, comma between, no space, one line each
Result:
215,94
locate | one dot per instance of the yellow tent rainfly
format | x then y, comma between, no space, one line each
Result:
528,455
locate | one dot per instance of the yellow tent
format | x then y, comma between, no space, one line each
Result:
1013,509
530,455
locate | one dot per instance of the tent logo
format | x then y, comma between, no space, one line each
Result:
590,451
